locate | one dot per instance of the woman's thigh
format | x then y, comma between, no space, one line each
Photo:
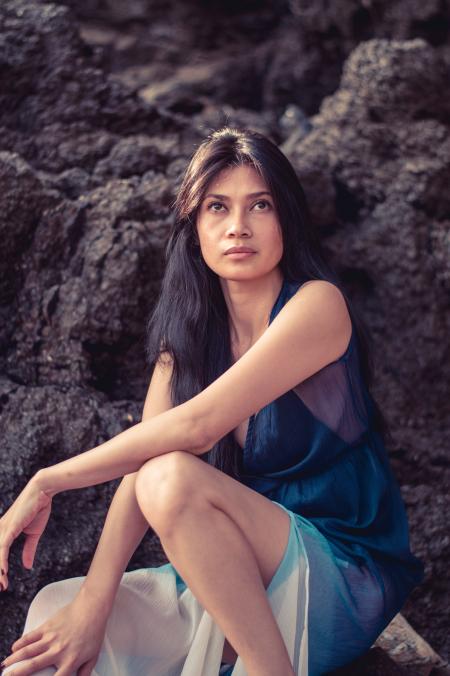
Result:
175,480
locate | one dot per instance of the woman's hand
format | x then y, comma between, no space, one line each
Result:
69,640
28,514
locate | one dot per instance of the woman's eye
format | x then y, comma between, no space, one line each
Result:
212,204
263,202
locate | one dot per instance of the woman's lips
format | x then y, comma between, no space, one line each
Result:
241,254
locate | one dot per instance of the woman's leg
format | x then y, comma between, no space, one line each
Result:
226,541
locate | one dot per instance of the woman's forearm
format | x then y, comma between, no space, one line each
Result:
124,528
173,430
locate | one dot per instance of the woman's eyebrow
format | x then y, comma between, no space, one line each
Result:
225,197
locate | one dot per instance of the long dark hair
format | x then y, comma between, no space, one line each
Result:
190,319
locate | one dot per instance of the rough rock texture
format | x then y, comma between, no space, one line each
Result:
288,52
320,36
95,135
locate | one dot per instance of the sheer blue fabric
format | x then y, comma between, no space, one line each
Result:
315,450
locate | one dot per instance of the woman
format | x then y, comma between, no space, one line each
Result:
260,461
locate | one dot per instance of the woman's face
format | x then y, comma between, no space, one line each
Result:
231,214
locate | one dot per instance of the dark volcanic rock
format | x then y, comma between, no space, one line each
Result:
319,36
79,313
60,94
22,201
70,123
306,43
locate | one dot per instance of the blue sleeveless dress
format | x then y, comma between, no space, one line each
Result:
347,567
315,452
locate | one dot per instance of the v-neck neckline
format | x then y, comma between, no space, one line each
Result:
253,415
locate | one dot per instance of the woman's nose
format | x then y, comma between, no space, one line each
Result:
238,226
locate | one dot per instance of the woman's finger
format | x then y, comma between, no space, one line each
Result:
4,583
7,537
4,553
27,638
30,666
27,652
29,550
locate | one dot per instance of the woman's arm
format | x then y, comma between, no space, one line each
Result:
125,525
311,330
178,429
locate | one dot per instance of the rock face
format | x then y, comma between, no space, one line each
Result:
95,135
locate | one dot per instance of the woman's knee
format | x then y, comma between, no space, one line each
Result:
164,487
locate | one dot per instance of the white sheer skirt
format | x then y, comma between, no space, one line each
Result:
158,628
